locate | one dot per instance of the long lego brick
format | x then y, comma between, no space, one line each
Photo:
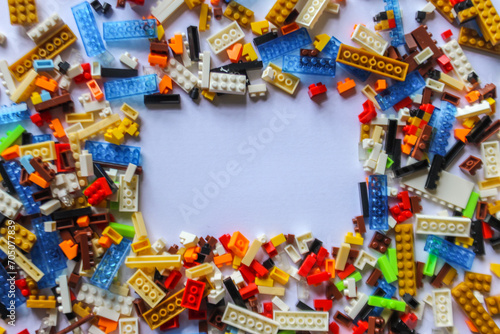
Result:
443,312
45,150
22,261
111,153
311,12
471,39
285,81
332,49
369,40
228,83
280,46
451,253
488,20
372,62
166,310
154,261
445,9
442,120
48,49
442,225
93,295
110,263
142,85
129,194
226,37
11,137
249,321
469,111
131,29
14,113
99,127
91,37
312,321
309,65
164,9
25,88
181,75
400,90
490,155
44,29
377,191
6,78
461,65
406,259
25,193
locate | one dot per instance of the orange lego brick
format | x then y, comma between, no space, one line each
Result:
95,90
56,126
460,134
238,244
107,325
225,259
11,153
380,85
37,179
105,241
83,221
176,44
69,248
478,282
471,39
289,28
405,259
165,84
344,87
191,254
23,12
46,83
472,96
157,59
234,52
471,326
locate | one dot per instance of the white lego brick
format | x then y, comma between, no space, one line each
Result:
268,74
293,253
106,112
74,71
488,194
186,59
44,29
86,164
257,90
226,37
228,83
445,226
356,305
237,278
51,318
107,313
461,65
381,164
312,321
188,239
217,280
164,9
294,273
131,168
249,321
311,12
301,242
263,238
392,191
49,207
65,82
443,313
92,106
350,288
159,246
50,226
7,79
332,7
94,330
119,289
417,98
434,85
419,311
2,38
9,206
423,55
428,8
92,295
219,249
181,75
112,173
129,61
364,259
429,300
128,326
204,70
95,70
369,40
490,155
371,163
129,194
474,110
64,297
216,295
279,303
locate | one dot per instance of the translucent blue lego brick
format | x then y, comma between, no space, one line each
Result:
110,263
280,46
451,253
39,259
14,113
332,49
116,154
309,65
133,29
6,295
43,65
45,95
389,290
442,122
400,90
397,34
377,197
143,85
41,138
91,37
3,256
50,242
25,193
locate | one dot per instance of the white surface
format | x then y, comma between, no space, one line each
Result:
293,161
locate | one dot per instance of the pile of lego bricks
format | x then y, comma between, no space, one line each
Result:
58,196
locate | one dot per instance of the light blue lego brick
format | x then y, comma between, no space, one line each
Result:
25,193
332,49
143,85
442,120
41,138
389,290
397,34
309,65
87,27
111,153
43,65
377,197
8,296
45,95
25,162
280,46
14,113
451,253
400,90
108,267
133,29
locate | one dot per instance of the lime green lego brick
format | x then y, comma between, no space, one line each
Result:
286,332
386,269
126,231
12,136
471,205
391,304
357,277
393,259
430,265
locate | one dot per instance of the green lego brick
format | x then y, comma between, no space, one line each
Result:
357,277
6,142
126,231
393,259
387,303
471,205
430,265
386,269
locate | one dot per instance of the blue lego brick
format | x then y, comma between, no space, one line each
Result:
442,123
309,65
3,256
41,138
110,263
280,46
377,197
400,90
389,290
14,113
25,193
116,154
143,85
132,29
397,34
43,65
45,95
25,162
453,254
87,26
7,296
332,49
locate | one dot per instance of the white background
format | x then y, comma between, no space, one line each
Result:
302,177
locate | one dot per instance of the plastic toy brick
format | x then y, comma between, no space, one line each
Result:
10,206
205,16
488,20
249,321
128,326
19,235
490,155
356,305
473,309
26,88
116,154
356,276
129,194
146,288
168,261
454,255
405,259
311,12
165,8
369,40
22,261
443,312
44,29
166,310
11,137
89,32
14,296
286,82
387,303
377,188
363,259
236,12
470,38
181,75
461,65
442,225
129,111
397,92
442,121
309,65
193,294
346,86
397,34
260,28
331,50
302,320
6,78
388,272
477,109
110,263
227,83
132,29
142,85
41,302
226,37
23,12
45,150
92,295
478,282
280,46
280,11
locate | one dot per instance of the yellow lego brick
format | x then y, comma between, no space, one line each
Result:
154,261
161,31
249,52
451,82
279,275
382,25
86,117
112,234
2,330
320,41
372,62
140,245
205,16
129,111
99,127
450,276
364,132
146,288
193,3
264,281
239,13
259,28
203,269
464,242
353,239
236,261
493,104
390,14
406,259
27,86
36,98
280,11
444,8
493,304
467,14
139,225
495,269
41,302
370,94
474,309
284,81
80,310
22,261
48,49
32,286
488,20
278,240
22,12
273,291
494,207
22,237
489,184
478,282
471,39
46,150
208,95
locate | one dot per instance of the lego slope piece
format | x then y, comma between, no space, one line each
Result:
284,81
280,11
302,320
377,190
114,154
249,321
92,295
226,37
405,259
442,225
282,45
110,263
228,83
443,313
309,65
461,65
132,29
91,37
181,75
311,12
400,90
442,120
23,12
454,255
369,40
142,85
146,288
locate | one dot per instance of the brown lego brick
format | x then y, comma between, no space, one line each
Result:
159,47
342,319
410,60
420,274
353,255
87,256
162,286
74,279
173,249
453,99
489,90
215,319
422,143
359,224
24,179
424,39
43,169
218,13
490,131
66,159
374,277
380,242
99,218
140,307
42,195
290,238
64,100
416,207
309,52
335,251
471,165
291,17
202,326
212,241
481,210
393,53
411,44
437,281
332,292
63,224
376,325
424,68
120,3
426,95
77,324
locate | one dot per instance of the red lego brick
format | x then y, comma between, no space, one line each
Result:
444,63
410,320
267,309
333,328
324,305
307,265
250,290
97,191
427,107
368,113
322,255
392,23
85,76
171,324
193,294
172,279
270,249
349,269
224,240
360,328
404,103
446,35
247,274
400,215
316,89
318,278
404,199
487,231
259,269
